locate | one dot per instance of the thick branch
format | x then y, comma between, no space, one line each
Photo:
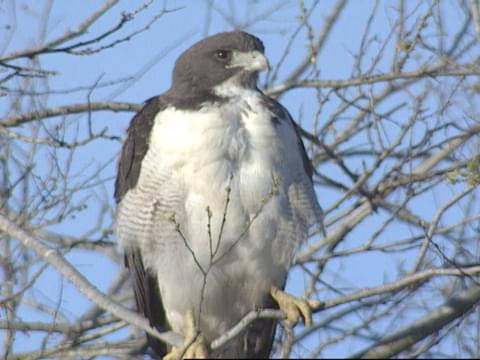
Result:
318,306
428,325
54,258
20,119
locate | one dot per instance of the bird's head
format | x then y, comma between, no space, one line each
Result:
236,56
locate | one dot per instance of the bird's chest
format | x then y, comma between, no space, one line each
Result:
226,160
231,146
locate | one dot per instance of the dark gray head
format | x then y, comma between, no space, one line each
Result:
215,59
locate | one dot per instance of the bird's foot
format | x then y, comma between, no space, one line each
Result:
293,307
195,346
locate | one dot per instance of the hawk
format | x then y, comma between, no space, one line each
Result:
214,192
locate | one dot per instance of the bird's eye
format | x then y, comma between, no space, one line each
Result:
222,54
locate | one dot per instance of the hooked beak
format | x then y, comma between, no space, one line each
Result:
250,61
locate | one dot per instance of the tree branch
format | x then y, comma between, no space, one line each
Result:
469,70
53,257
20,119
431,323
69,35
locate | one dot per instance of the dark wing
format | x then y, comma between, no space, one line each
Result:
282,114
145,284
135,147
147,297
260,334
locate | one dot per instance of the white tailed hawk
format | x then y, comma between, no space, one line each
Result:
214,193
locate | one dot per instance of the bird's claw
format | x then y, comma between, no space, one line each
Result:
293,307
195,346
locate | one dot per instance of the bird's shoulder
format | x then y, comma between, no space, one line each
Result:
136,145
281,114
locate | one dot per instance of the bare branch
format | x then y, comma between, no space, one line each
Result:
69,35
17,120
469,70
81,283
431,323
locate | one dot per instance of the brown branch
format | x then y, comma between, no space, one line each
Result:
476,17
20,119
117,350
69,35
326,31
53,257
430,324
469,70
362,211
318,306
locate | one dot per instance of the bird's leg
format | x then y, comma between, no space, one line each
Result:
194,347
292,306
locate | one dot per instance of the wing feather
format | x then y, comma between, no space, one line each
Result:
147,297
135,146
145,284
305,207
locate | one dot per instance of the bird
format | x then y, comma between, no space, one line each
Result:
214,195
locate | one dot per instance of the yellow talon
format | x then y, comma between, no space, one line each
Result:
194,347
197,350
292,306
